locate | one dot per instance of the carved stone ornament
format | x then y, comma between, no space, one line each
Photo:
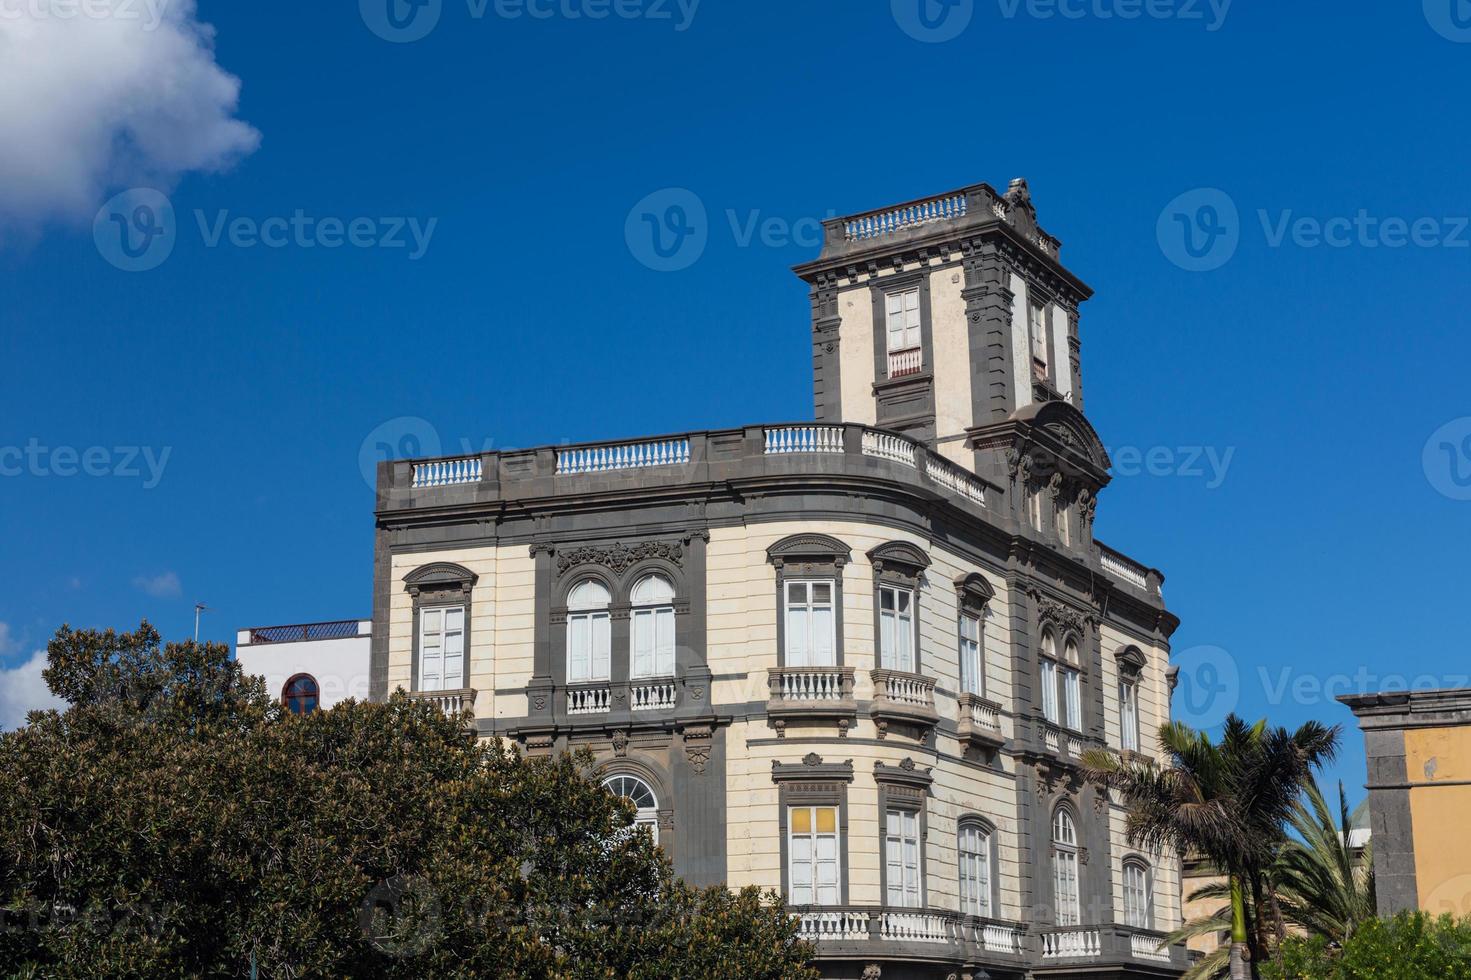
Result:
872,972
1019,464
620,744
697,747
812,759
539,702
907,765
1087,505
619,558
1052,611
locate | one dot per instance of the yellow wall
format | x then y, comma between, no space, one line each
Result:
1440,816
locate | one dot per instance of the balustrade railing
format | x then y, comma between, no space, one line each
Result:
859,924
447,472
995,938
916,927
980,713
623,456
1123,568
588,700
806,684
890,221
652,695
1071,944
906,362
886,445
804,439
914,690
835,926
1144,947
449,702
955,479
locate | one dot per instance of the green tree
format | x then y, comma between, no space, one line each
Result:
1325,884
1411,946
1228,801
172,822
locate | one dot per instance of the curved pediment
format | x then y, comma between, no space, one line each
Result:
1069,428
899,553
809,547
439,575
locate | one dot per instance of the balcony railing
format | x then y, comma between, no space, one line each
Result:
804,439
1147,947
589,700
902,696
1072,944
810,693
652,695
1062,741
979,721
1125,569
905,362
447,472
886,445
450,702
839,926
624,456
891,221
965,936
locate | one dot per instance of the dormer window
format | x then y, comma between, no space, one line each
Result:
902,318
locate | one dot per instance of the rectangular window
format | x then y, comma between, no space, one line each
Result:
653,643
1072,689
1137,911
812,851
975,871
903,320
972,664
1065,867
1037,327
896,629
589,641
1049,691
1060,521
1129,714
810,630
902,856
441,648
1034,506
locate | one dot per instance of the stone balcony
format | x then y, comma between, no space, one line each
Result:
1070,949
753,456
450,702
932,935
811,694
903,698
978,722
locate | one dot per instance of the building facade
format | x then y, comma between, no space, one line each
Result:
1418,745
309,665
854,659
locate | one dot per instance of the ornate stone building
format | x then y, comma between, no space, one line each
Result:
854,659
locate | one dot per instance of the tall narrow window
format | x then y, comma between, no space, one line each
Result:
1049,678
809,626
1129,714
653,628
1037,327
1138,908
901,849
1062,524
589,633
1065,868
641,795
972,664
1072,688
902,320
812,851
975,870
441,648
1034,506
896,628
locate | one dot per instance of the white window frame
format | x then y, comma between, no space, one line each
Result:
1072,687
973,848
589,640
1049,691
651,630
902,322
440,669
804,647
896,629
1138,895
647,813
809,854
1066,883
972,654
1037,339
1129,713
903,858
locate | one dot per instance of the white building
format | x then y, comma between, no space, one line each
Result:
309,665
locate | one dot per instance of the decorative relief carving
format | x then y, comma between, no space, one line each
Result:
872,972
697,747
812,759
620,744
619,558
1052,611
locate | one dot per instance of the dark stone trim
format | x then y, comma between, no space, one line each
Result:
441,585
909,794
808,557
993,860
900,565
813,783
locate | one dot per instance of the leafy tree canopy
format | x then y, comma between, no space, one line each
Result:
174,822
1411,946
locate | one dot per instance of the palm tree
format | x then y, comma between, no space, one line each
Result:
1324,881
1228,801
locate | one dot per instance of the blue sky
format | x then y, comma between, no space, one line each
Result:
1327,551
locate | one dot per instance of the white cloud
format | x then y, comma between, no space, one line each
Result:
8,643
104,94
22,689
162,586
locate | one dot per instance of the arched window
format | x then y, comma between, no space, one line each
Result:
1065,868
653,628
301,695
1072,686
1138,901
641,795
975,868
1049,677
589,633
